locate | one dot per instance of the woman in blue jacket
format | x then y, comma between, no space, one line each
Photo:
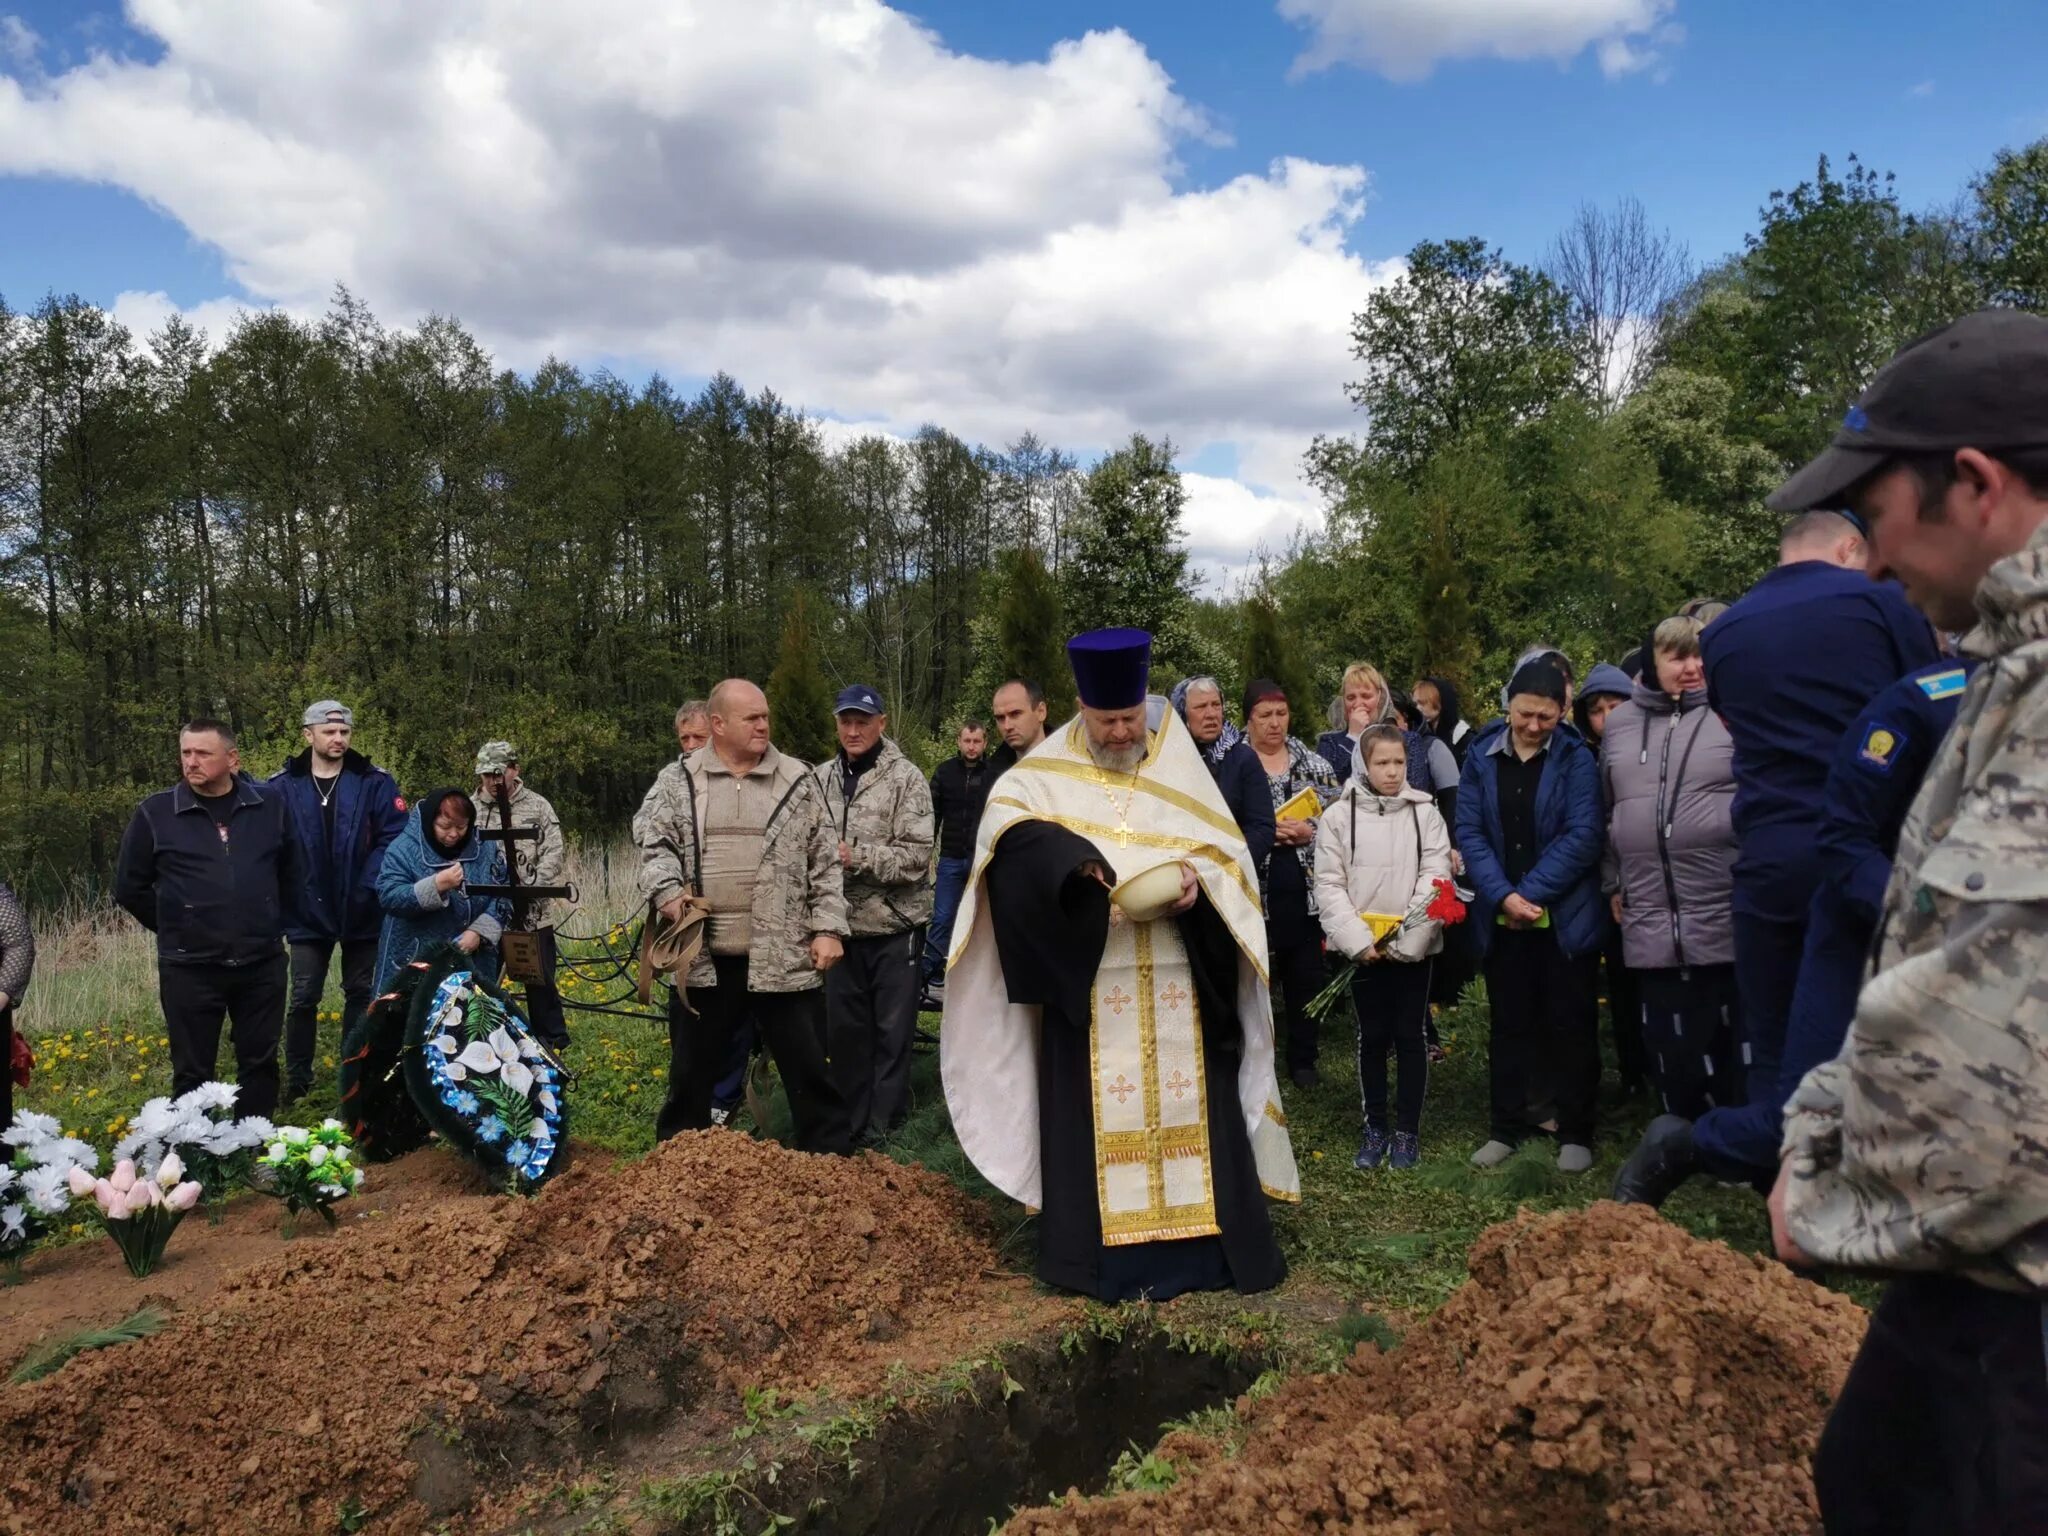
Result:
1530,827
423,888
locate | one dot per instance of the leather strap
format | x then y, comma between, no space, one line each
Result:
672,947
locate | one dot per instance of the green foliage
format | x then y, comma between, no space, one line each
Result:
798,695
1137,1470
2012,218
1361,1327
48,1358
1267,653
1129,564
1023,635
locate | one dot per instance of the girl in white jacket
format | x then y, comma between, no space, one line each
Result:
1379,850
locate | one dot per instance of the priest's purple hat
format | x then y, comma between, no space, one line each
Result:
1111,667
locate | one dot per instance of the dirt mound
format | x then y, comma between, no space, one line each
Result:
1602,1371
386,1367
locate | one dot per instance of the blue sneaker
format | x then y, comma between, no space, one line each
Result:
1372,1151
1407,1151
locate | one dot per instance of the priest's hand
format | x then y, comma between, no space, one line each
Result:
826,952
1190,889
1097,871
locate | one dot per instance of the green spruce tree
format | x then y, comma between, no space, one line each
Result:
798,695
1266,653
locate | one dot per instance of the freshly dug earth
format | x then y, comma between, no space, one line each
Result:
391,1367
1602,1371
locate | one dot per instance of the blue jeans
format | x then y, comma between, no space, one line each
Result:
1741,1142
952,885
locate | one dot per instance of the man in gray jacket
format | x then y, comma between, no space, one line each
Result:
881,807
744,828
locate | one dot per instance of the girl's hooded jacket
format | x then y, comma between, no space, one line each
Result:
1379,853
416,916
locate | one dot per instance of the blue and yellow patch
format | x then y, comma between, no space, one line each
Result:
1945,685
1880,747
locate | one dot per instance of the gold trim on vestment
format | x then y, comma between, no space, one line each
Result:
1165,840
1179,799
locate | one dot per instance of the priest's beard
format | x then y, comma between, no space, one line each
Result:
1116,759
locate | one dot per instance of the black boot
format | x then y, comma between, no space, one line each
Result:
1661,1162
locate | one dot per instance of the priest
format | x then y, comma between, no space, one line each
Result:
1108,1053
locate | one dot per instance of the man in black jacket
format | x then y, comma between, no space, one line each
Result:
959,791
209,866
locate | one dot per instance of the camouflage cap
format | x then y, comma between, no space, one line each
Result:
495,756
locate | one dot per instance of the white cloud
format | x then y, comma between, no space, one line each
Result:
18,40
1230,525
815,195
1924,89
144,314
1407,39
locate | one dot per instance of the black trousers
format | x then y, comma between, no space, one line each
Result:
544,998
1623,989
1546,1034
793,1025
6,1066
1298,974
310,959
1942,1427
196,998
870,1021
1692,1027
1392,999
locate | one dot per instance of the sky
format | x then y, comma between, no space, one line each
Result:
1078,219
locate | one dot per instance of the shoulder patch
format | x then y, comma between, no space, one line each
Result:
1880,747
398,802
1945,685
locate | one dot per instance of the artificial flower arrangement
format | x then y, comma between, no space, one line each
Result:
309,1170
38,1176
1440,906
485,1084
139,1211
216,1151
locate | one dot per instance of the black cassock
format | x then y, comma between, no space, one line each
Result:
1050,926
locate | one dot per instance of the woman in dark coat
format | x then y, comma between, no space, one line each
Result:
424,884
1199,703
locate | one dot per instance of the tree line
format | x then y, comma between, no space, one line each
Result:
1562,450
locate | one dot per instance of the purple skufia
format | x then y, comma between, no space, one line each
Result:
1112,667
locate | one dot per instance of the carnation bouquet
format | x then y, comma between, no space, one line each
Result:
139,1212
36,1184
217,1152
1441,906
309,1170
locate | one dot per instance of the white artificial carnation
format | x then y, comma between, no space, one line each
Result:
155,1118
31,1129
63,1152
13,1223
208,1097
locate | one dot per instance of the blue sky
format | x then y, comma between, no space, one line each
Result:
882,223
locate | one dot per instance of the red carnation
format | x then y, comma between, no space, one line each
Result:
1444,907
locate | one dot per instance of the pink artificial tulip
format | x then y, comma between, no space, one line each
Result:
139,1198
81,1182
183,1198
109,1199
123,1177
170,1171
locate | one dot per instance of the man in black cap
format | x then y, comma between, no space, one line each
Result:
882,809
1921,1151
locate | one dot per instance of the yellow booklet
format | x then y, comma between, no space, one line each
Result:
1305,806
1381,923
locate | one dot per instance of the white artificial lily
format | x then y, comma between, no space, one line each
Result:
529,1048
500,1054
447,1045
13,1223
546,1099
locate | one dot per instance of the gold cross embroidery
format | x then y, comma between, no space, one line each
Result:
1118,1001
1173,997
1123,1088
1178,1085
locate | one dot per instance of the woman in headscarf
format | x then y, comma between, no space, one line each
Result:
1294,939
424,884
1364,701
1531,828
17,960
1437,698
1199,703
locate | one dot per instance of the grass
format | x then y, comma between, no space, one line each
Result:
1387,1241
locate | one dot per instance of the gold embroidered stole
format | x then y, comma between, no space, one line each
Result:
1152,1171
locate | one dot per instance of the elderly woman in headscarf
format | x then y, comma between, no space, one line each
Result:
1199,703
17,960
1294,938
424,888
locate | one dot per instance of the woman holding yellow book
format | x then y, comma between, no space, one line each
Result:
1301,784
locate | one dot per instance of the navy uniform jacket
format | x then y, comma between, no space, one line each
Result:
1876,773
1788,668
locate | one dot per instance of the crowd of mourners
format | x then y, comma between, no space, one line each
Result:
1702,833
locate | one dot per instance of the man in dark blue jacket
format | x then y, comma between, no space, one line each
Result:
1788,668
1877,770
343,811
210,867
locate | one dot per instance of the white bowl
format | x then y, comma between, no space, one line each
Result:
1149,896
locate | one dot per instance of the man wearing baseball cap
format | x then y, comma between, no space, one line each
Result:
343,811
882,810
1921,1151
540,861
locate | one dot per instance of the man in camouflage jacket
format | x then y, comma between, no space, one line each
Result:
880,808
744,827
1922,1150
539,860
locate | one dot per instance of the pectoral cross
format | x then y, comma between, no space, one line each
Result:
1123,834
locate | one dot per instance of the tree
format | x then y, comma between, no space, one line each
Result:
2012,215
798,695
1024,636
1467,339
1623,281
1266,653
1128,565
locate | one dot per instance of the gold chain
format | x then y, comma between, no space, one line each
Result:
1123,813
